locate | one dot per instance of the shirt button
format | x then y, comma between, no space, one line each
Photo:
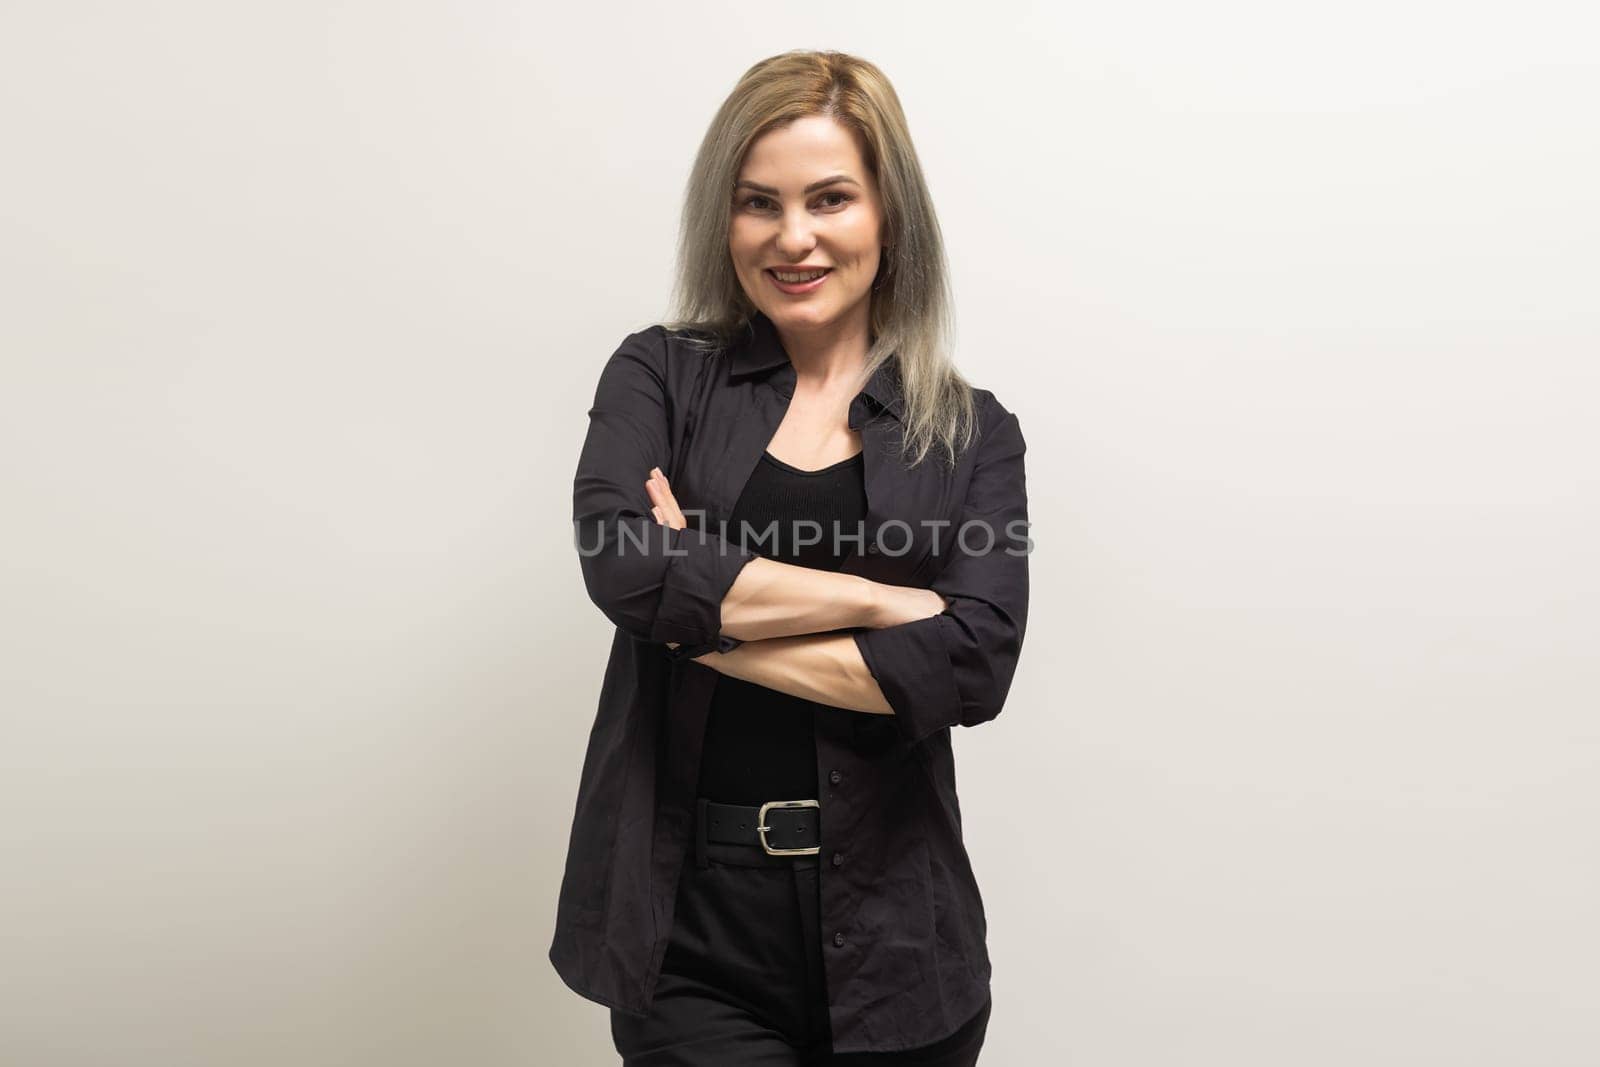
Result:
835,777
838,859
838,940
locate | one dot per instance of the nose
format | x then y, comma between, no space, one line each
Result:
795,237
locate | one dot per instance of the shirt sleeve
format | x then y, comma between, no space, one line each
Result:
955,668
655,583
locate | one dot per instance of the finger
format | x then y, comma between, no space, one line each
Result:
661,493
658,495
666,507
675,519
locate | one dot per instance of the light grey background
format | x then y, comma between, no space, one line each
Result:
303,310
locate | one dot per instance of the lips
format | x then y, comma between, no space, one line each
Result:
796,288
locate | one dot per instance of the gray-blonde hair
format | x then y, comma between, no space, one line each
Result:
911,319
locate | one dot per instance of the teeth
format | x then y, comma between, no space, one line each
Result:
782,277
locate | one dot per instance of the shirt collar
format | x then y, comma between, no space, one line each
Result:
762,350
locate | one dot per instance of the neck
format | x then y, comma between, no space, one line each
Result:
833,354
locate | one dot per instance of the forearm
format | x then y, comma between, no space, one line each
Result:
827,668
770,599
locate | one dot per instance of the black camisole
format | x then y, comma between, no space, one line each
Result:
759,743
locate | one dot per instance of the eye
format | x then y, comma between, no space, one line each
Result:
757,202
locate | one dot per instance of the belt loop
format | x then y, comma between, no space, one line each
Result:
700,820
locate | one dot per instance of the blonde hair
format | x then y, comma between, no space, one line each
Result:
912,320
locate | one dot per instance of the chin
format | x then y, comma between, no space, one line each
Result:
805,317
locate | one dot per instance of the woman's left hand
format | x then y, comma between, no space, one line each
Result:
665,509
664,506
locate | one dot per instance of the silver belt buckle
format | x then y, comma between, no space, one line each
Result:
762,828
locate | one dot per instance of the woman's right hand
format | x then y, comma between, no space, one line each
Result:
895,604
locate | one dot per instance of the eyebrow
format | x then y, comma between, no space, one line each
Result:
813,187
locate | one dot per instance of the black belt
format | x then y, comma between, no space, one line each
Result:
778,827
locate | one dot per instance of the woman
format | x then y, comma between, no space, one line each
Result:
766,863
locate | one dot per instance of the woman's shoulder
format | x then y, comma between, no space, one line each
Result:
676,344
987,409
688,334
669,352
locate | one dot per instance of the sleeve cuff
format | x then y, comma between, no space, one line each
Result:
723,643
702,567
912,667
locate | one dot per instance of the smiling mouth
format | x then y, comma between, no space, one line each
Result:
809,281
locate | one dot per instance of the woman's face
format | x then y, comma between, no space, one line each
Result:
804,200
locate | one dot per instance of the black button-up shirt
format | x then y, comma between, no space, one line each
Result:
902,920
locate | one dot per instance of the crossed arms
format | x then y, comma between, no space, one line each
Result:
780,611
933,658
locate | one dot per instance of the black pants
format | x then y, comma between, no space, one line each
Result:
742,984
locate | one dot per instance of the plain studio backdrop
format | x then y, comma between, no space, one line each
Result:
303,310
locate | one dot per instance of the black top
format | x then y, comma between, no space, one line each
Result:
903,937
759,742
